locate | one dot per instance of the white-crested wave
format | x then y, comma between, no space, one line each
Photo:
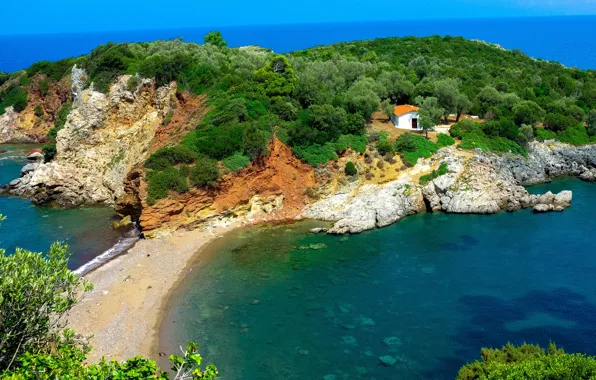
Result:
123,245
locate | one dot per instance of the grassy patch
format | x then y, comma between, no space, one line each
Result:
442,170
577,135
444,140
542,134
236,162
412,147
490,144
355,142
316,154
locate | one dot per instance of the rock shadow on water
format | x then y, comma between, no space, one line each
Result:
559,315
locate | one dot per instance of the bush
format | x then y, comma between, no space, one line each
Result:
205,173
170,156
38,111
412,147
355,142
13,96
167,119
61,117
132,83
464,127
350,169
442,170
490,144
576,135
544,134
316,154
161,182
255,142
49,151
529,362
557,122
384,146
444,140
35,293
236,162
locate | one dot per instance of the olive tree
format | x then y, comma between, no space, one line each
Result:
591,122
429,114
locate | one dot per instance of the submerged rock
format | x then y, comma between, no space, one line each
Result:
387,360
392,341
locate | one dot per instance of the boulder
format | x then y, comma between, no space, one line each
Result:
35,156
541,208
28,168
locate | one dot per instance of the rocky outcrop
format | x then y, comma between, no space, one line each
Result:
10,131
549,160
476,183
355,209
104,138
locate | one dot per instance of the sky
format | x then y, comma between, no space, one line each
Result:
58,16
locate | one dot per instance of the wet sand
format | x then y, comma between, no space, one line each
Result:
123,312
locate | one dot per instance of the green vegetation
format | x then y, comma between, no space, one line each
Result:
444,140
544,134
316,154
494,136
205,173
442,170
576,135
38,111
49,149
36,293
13,95
236,162
384,146
161,182
215,38
529,362
350,169
412,147
167,157
356,142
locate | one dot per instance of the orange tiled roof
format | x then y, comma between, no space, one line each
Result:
404,109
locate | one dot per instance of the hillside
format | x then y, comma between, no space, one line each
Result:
203,112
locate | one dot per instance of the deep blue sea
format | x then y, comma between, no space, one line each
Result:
569,40
429,291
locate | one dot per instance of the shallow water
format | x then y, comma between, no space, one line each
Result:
429,291
87,231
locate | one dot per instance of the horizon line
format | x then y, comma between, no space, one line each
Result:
223,27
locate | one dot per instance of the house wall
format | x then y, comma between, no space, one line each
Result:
405,121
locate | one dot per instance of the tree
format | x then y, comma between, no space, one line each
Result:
447,96
398,87
277,77
350,169
463,105
384,146
388,108
215,38
36,293
591,123
362,97
429,114
528,112
488,99
557,122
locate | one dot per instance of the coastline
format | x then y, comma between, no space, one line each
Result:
123,312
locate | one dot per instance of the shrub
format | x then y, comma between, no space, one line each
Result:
444,140
161,182
167,119
166,157
442,170
357,143
49,151
13,96
412,147
490,144
576,135
384,146
544,134
557,122
35,293
61,117
316,154
38,111
205,173
52,70
133,83
236,162
462,128
529,362
350,169
255,142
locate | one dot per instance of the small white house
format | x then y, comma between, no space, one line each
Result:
406,117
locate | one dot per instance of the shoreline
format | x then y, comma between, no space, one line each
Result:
123,312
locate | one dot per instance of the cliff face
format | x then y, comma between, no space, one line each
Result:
26,126
271,190
104,138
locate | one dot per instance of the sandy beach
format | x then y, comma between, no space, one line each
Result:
124,310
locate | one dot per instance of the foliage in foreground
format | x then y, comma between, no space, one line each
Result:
36,292
529,362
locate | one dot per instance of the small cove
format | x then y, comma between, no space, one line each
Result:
86,230
274,302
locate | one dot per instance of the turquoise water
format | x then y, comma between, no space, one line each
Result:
429,291
87,230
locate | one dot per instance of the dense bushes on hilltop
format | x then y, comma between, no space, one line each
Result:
318,95
529,362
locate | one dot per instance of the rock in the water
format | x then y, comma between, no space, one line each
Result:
35,156
540,208
28,169
387,360
589,175
318,230
392,341
124,222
